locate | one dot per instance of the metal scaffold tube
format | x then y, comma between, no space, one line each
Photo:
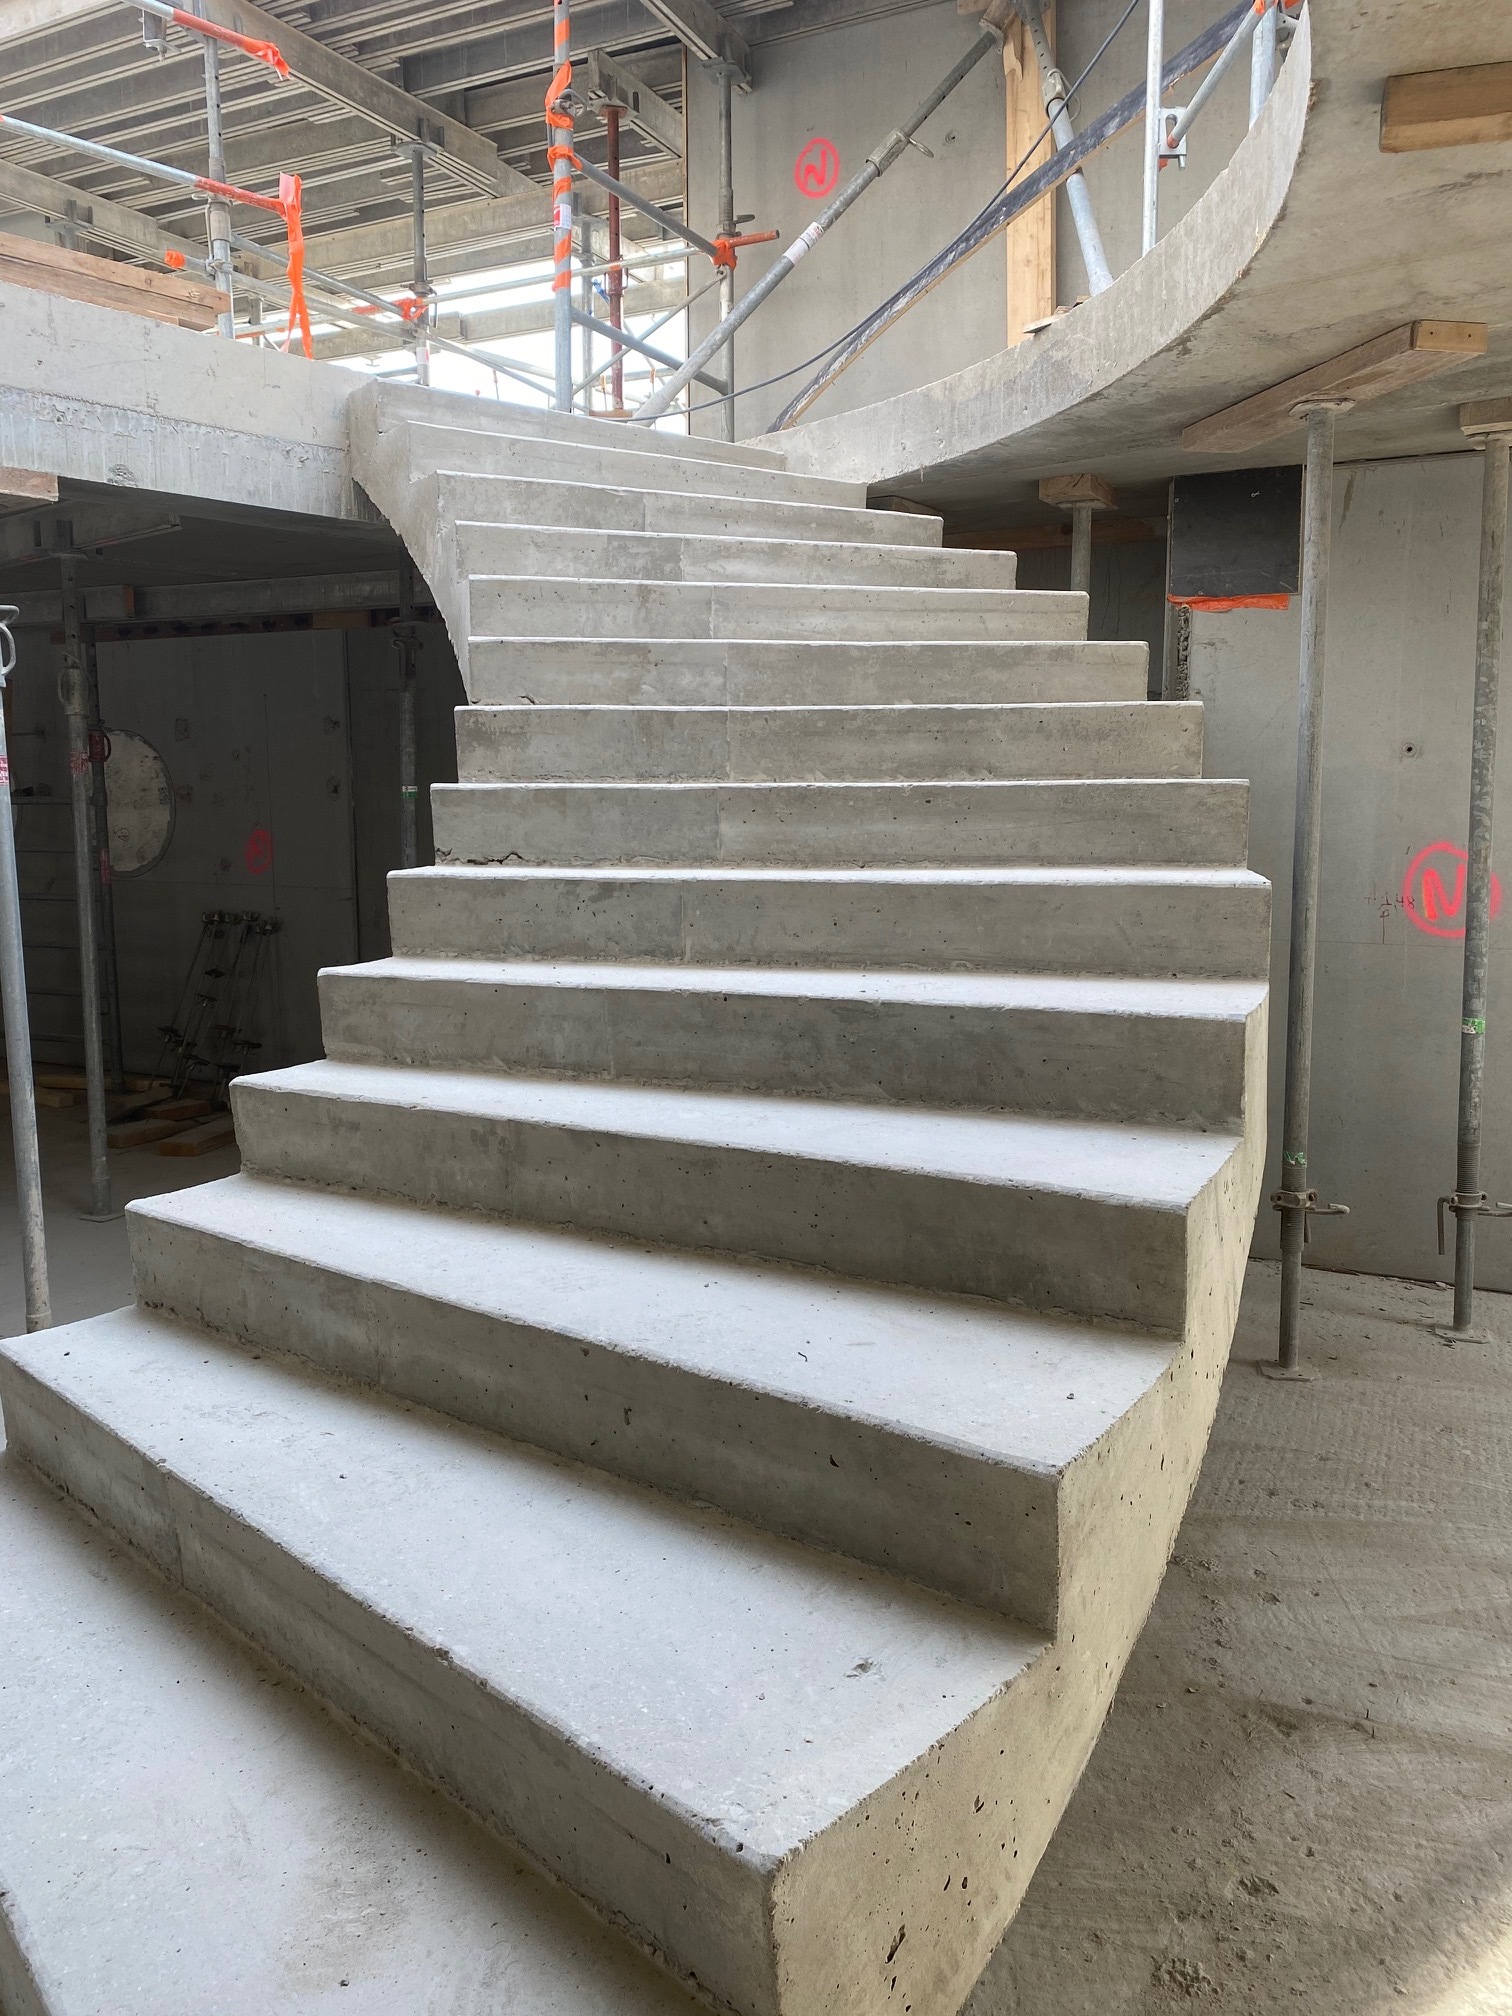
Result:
727,230
1081,549
420,285
561,159
406,641
75,700
616,268
1154,129
1469,1202
1078,195
1294,1200
218,215
104,881
23,1093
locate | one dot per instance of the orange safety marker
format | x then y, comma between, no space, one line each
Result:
287,204
264,52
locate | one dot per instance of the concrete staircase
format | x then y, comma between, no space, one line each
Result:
709,1367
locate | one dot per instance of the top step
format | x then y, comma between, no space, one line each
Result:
630,461
386,404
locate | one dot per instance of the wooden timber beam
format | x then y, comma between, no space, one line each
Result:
1384,364
1447,108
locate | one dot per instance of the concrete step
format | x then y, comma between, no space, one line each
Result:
757,672
934,1438
828,744
699,1727
1167,1052
1101,822
1041,1213
387,405
1196,922
428,448
545,606
186,1832
461,497
535,550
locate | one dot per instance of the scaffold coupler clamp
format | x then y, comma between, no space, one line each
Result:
1306,1201
1468,1204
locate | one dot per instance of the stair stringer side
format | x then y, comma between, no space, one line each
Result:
936,1942
381,465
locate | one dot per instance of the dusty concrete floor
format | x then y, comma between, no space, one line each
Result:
88,1264
1303,1797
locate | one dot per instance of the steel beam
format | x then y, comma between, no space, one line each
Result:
475,160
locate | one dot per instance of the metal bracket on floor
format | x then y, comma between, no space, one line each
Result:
1306,1201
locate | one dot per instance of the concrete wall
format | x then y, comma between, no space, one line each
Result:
851,85
293,735
1400,673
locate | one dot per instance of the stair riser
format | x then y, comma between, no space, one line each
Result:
396,405
1204,932
826,745
1177,1071
571,671
1194,822
942,1515
609,1840
437,448
464,498
1038,1248
511,607
495,549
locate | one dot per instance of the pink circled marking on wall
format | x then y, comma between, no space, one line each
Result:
1433,890
817,169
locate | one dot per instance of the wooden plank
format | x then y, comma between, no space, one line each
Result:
1063,490
141,1133
1029,241
203,1139
109,283
30,485
1447,108
179,1110
1384,364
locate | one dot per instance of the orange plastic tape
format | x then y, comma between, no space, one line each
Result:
265,52
291,208
1215,605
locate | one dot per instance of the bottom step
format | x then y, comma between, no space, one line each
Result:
182,1830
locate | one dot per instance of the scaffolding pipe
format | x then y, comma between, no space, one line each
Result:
1078,195
76,709
1469,1201
1154,133
645,349
217,215
1252,23
561,160
1294,1200
727,230
104,881
420,285
23,1091
616,270
877,163
1263,53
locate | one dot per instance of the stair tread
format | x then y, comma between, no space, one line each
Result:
1152,1167
184,1831
1063,993
1055,874
756,1688
1012,1387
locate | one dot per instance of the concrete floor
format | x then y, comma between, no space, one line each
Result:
88,1264
1303,1797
